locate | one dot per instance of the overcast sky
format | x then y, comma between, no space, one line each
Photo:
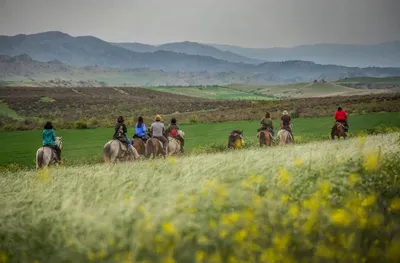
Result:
250,23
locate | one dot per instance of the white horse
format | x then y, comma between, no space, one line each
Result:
114,149
284,137
174,145
46,155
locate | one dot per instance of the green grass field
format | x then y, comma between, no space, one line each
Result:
6,111
87,145
316,202
212,93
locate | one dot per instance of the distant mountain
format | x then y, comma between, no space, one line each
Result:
23,67
88,50
380,55
137,47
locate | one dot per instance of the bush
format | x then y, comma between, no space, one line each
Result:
80,125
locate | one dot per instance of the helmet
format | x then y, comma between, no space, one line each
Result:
285,112
158,118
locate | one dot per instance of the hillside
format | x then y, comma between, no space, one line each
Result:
23,70
381,55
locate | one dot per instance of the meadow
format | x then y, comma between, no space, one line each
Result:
86,146
316,202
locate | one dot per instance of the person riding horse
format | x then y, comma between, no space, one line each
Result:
267,125
140,130
49,140
341,117
286,123
172,130
157,131
120,133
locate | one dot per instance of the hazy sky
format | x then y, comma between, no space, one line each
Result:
251,23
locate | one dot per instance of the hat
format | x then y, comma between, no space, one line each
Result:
158,117
285,112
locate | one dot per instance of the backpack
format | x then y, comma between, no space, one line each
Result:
173,132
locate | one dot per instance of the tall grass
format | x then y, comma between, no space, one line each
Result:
317,202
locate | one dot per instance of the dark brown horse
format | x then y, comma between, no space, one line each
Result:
235,139
154,146
264,138
140,146
338,130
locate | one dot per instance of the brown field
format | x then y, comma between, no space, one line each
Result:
99,107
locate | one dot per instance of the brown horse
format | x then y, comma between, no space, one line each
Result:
140,146
154,146
338,131
264,138
235,139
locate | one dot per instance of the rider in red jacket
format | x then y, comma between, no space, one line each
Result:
341,116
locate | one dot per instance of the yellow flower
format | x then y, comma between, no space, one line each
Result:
293,210
353,178
325,188
284,198
203,240
340,217
3,257
171,160
298,162
281,242
44,175
91,256
127,197
231,218
223,233
395,204
169,228
169,260
221,191
325,252
240,236
200,255
212,224
369,201
284,177
371,162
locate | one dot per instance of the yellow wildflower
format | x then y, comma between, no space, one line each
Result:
91,256
203,240
127,197
200,255
221,191
169,228
281,242
212,224
171,160
231,218
44,175
3,257
371,162
395,204
294,210
284,176
341,217
240,236
325,252
353,178
325,188
169,260
284,198
369,201
298,162
223,233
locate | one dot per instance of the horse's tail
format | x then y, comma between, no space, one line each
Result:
149,148
39,158
107,152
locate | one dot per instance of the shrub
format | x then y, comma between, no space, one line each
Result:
80,125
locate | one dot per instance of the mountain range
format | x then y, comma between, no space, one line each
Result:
58,51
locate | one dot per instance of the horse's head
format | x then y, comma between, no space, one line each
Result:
181,133
59,141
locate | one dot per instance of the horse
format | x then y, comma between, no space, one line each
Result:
264,138
46,155
338,131
174,145
114,149
235,139
154,146
284,137
140,146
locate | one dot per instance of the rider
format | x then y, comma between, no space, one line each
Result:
157,131
266,124
172,130
140,129
341,117
120,132
286,123
49,139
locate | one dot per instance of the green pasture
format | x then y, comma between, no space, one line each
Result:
225,93
87,145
